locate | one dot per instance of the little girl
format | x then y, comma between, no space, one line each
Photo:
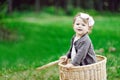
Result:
81,51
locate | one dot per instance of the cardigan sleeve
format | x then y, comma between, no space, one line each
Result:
81,53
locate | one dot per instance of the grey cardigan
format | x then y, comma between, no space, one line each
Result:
84,51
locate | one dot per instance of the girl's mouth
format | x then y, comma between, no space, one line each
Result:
79,29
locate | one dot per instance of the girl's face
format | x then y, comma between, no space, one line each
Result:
80,27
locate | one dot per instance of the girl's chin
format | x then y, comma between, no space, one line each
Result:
79,33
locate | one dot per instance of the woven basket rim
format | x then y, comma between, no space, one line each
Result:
84,66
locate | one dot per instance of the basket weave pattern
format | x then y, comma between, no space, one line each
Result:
96,71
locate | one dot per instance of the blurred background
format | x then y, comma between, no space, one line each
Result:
36,32
67,6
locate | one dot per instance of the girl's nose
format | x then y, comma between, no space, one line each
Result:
79,26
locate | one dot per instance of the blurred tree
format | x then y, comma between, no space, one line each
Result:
56,6
3,9
87,4
99,4
114,5
10,8
37,5
105,5
78,3
69,7
63,4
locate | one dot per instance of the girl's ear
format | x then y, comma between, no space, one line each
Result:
90,29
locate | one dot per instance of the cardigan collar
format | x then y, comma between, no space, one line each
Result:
82,39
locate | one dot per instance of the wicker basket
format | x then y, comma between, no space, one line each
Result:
96,71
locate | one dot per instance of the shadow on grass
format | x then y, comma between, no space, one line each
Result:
51,73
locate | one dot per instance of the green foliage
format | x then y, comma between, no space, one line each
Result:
52,10
3,11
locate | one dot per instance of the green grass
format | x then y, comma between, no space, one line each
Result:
44,38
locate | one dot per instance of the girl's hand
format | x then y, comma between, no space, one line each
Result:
69,65
63,59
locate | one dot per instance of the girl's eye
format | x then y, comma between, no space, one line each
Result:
83,24
77,23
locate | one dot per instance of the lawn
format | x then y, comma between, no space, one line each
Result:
41,38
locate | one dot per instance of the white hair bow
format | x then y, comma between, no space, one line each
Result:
90,19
